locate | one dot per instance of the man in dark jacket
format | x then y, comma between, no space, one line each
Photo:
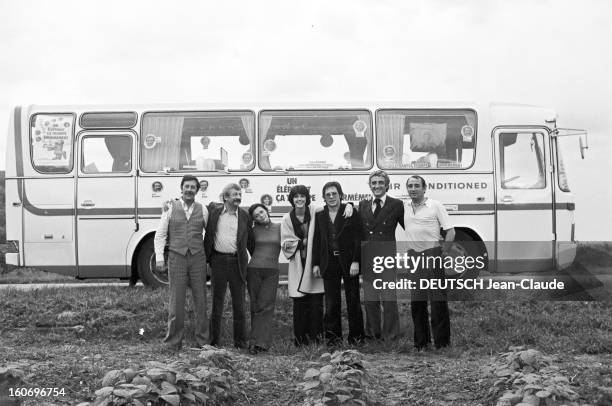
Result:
379,218
335,257
225,243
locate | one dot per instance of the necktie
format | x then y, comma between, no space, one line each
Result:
377,203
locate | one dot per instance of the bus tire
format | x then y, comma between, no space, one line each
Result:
467,245
146,267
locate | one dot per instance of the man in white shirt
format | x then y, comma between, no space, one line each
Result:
227,235
181,225
423,218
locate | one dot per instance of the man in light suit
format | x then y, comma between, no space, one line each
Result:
379,218
226,250
181,224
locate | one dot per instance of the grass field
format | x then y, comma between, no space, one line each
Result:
37,329
69,338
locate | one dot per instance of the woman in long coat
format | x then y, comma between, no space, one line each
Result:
297,231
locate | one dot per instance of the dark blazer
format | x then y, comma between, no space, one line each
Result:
244,228
381,228
347,235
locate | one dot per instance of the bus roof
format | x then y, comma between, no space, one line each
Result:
499,113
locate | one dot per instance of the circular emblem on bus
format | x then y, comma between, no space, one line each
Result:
157,186
389,151
359,126
150,141
467,132
269,145
247,158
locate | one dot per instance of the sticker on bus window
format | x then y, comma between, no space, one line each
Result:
52,140
151,140
247,158
360,127
467,133
269,145
389,152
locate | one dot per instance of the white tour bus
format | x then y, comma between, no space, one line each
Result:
85,184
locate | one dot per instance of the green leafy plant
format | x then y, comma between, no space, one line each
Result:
341,381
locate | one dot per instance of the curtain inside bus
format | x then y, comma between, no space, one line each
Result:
167,153
390,130
264,125
120,148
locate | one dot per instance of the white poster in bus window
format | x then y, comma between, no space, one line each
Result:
52,140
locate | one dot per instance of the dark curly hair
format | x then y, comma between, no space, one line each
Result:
299,190
255,206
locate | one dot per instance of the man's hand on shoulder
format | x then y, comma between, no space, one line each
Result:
354,269
167,205
348,210
316,271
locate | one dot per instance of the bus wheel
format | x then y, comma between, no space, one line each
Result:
466,246
146,267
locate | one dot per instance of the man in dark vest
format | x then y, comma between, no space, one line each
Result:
226,250
379,218
182,225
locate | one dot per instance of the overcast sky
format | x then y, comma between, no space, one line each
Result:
551,53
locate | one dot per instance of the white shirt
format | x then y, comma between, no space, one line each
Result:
382,201
423,224
226,236
161,234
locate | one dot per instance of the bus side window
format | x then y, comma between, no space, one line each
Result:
106,154
51,140
325,139
425,139
522,161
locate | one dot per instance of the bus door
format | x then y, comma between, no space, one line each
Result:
524,215
106,205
